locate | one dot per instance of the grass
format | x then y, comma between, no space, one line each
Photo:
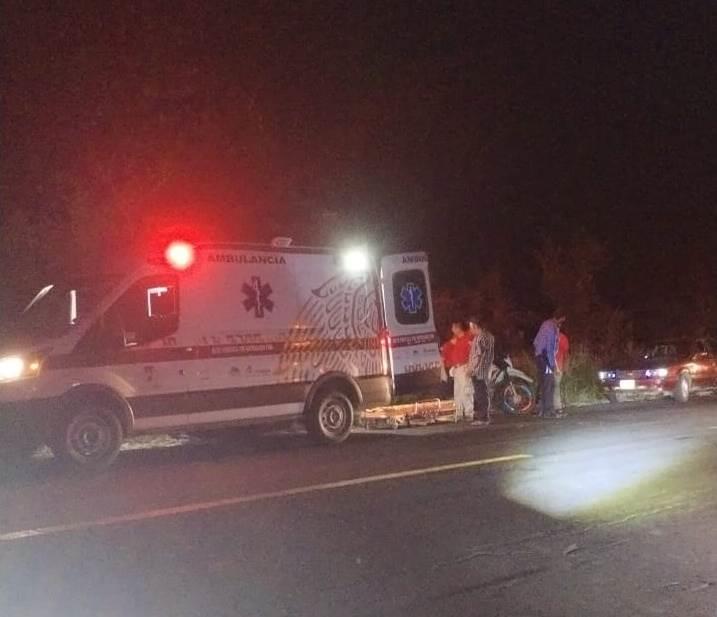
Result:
580,383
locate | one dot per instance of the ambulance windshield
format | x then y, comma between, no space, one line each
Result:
56,308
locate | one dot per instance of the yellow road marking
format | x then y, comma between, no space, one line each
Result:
235,501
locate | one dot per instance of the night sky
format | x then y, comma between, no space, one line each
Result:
475,131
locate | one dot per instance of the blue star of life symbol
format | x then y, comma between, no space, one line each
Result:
411,298
257,297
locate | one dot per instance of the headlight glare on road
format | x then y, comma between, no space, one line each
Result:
582,471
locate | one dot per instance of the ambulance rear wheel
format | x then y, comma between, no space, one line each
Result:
89,438
330,418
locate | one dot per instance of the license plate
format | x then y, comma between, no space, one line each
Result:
627,384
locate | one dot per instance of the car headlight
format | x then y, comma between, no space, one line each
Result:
13,368
602,375
605,375
656,372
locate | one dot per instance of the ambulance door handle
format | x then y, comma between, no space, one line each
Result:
234,370
149,372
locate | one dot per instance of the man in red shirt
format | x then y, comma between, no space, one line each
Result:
561,364
447,353
455,356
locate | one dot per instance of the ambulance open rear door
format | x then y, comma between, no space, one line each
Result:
412,338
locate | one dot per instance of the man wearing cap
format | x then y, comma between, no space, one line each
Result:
479,363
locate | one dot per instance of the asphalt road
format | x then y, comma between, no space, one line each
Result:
608,512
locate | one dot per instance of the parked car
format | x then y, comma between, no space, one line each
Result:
672,368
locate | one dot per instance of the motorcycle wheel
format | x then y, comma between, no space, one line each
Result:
517,398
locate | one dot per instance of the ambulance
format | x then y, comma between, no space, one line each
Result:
204,336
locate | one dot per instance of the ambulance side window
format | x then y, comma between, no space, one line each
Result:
146,312
410,297
161,301
150,310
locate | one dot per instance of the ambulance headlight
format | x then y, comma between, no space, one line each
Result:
356,260
13,368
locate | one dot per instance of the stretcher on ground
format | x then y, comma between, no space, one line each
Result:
420,413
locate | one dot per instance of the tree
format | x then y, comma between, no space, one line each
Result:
569,273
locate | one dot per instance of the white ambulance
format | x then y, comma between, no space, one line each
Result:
216,335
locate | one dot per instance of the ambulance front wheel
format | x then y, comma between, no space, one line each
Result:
330,418
89,437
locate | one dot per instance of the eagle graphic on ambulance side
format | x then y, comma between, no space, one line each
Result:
337,330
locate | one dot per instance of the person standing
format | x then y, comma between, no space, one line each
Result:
447,383
479,364
561,365
459,356
545,346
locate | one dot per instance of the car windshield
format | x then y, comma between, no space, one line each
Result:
56,308
669,349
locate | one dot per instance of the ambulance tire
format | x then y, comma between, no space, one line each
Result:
330,418
89,437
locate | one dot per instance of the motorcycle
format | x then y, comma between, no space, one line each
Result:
512,391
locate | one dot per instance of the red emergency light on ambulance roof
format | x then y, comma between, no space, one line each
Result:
179,254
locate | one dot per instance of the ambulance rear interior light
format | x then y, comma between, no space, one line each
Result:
356,260
180,255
